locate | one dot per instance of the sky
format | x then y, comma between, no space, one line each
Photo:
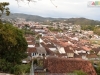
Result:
56,8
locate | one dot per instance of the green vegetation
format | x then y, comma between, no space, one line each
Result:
94,28
12,46
87,27
26,30
80,72
53,29
97,68
38,62
22,69
4,8
97,30
47,23
35,62
95,42
12,43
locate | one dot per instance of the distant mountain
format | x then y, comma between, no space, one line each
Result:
81,21
25,16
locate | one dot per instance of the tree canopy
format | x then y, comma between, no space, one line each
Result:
4,8
12,46
12,43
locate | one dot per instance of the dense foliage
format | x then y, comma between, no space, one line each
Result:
12,46
26,30
22,69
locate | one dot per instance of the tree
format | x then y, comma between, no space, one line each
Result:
22,69
4,8
12,44
97,31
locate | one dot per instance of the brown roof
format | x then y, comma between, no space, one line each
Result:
49,51
31,50
62,65
37,45
29,38
96,49
41,50
77,56
30,43
86,48
68,49
50,46
92,56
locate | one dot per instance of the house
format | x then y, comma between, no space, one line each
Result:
41,51
36,52
96,50
87,49
60,46
92,57
32,52
31,44
79,50
26,60
39,30
69,51
50,46
58,65
30,41
83,56
49,52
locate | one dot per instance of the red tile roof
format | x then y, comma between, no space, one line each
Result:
86,48
92,56
68,49
62,65
30,43
31,50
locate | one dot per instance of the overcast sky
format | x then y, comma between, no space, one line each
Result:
64,9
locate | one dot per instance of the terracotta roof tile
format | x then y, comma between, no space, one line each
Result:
68,49
31,50
30,43
61,65
92,56
49,51
86,48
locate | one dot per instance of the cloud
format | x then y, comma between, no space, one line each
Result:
46,8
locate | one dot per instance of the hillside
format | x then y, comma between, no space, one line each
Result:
81,21
25,16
